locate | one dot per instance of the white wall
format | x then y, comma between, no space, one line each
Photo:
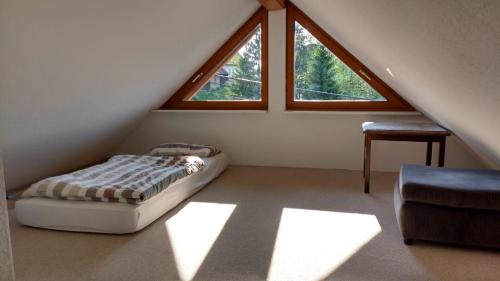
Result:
444,53
76,76
6,263
279,138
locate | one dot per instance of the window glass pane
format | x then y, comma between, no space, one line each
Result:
321,76
240,79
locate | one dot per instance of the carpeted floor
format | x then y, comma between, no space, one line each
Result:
255,224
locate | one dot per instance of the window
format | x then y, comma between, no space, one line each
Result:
235,77
322,75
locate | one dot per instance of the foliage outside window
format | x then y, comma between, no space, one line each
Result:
320,75
240,79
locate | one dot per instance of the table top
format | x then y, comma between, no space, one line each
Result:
409,128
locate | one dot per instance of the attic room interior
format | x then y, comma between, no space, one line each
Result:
249,140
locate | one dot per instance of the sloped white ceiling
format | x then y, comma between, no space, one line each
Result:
445,55
77,76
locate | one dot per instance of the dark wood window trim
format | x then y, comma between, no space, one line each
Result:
180,99
273,5
393,102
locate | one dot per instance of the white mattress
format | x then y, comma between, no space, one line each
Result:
117,218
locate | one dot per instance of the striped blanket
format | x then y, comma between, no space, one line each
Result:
123,178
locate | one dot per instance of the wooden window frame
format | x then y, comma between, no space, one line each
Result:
393,102
273,5
179,99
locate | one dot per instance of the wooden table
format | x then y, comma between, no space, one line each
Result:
399,131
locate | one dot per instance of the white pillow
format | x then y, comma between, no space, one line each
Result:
175,149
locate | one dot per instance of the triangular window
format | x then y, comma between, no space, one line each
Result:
322,75
235,77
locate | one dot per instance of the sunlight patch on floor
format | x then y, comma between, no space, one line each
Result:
311,244
193,231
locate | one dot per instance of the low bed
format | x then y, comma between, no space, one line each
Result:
115,217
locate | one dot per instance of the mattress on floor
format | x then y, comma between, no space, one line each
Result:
116,218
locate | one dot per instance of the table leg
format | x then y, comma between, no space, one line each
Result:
366,168
428,160
442,145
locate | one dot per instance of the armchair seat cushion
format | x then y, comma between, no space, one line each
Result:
458,188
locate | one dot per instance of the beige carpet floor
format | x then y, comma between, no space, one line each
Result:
256,224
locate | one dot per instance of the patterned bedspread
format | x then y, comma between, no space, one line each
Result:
123,178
